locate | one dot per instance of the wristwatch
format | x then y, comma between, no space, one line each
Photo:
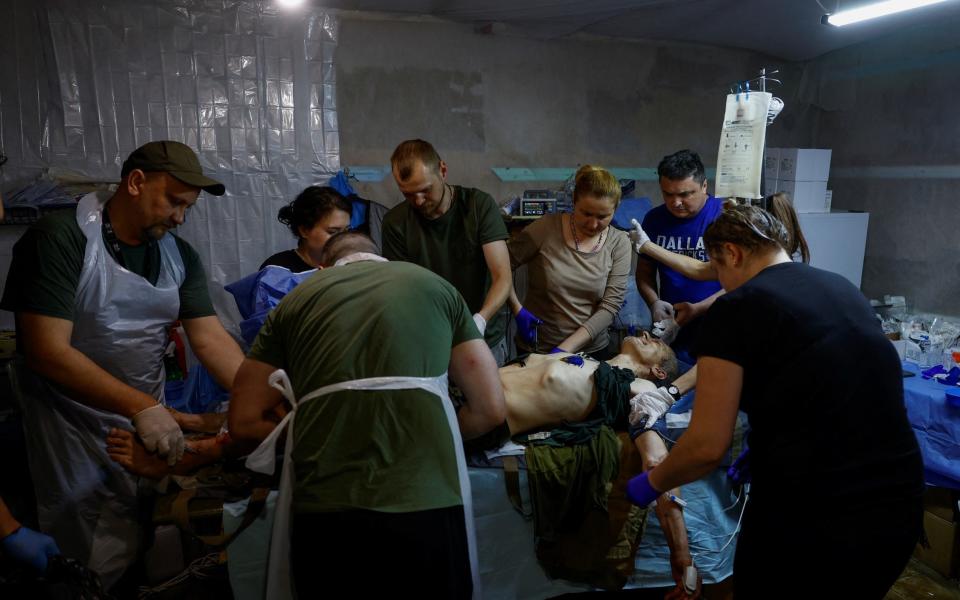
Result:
674,391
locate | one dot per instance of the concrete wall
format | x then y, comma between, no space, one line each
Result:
889,111
505,100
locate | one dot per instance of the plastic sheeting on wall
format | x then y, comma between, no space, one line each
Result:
249,87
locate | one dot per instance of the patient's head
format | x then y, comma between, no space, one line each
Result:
344,244
656,360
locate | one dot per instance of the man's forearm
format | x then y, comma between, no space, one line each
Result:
253,403
473,369
496,296
473,424
497,258
515,305
648,293
222,362
87,382
646,278
215,348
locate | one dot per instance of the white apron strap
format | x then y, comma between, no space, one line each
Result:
262,460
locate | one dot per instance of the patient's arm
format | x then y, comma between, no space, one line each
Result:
652,452
687,381
129,452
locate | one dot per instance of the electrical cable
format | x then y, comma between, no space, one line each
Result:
732,535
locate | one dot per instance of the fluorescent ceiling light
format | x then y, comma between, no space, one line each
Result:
872,11
290,3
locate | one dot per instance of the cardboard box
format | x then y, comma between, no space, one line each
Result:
807,196
771,164
943,555
804,164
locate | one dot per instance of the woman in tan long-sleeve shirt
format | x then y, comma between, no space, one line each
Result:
577,266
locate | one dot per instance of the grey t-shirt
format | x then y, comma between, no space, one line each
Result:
569,288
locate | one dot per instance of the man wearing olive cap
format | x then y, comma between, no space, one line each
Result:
95,294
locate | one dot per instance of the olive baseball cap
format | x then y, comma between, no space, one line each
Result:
175,158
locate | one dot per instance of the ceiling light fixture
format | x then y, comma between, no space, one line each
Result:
290,3
872,11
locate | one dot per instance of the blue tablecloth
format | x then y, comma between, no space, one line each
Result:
937,427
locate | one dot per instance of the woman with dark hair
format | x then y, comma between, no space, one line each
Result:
315,215
835,504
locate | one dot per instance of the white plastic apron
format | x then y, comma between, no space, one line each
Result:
263,459
86,501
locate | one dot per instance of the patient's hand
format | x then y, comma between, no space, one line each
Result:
129,452
678,562
646,408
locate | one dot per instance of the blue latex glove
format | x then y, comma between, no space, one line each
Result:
30,547
557,350
527,324
739,472
640,492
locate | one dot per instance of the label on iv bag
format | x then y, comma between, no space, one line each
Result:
742,136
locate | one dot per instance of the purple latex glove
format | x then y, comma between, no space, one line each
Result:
30,547
527,324
557,350
739,472
640,492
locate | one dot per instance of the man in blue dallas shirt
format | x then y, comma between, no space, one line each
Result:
678,226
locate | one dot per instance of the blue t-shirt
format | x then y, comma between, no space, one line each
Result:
683,236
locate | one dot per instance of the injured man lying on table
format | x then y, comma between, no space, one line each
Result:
561,396
542,392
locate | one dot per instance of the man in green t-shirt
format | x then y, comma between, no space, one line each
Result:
456,232
375,471
95,293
